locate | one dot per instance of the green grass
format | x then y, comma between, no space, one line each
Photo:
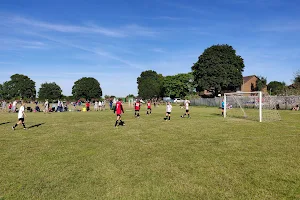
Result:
82,156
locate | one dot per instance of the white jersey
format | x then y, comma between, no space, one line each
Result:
100,103
14,104
187,103
169,108
21,112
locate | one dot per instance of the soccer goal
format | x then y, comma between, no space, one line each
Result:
256,106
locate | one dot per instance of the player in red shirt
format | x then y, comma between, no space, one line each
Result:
87,105
149,107
119,110
137,107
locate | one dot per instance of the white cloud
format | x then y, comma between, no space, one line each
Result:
88,28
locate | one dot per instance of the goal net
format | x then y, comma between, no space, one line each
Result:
250,105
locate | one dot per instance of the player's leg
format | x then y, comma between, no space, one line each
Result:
150,111
117,121
166,118
188,113
19,122
23,123
169,116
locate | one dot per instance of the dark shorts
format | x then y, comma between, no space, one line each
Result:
137,110
149,108
187,110
21,119
169,113
87,108
118,115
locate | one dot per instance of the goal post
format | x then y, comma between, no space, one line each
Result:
250,105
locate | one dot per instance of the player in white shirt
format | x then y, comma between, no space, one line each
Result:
100,105
21,116
168,111
187,111
96,106
14,106
46,106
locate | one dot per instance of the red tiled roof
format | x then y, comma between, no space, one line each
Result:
247,78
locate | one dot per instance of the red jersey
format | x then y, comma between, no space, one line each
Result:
137,105
119,108
87,105
149,104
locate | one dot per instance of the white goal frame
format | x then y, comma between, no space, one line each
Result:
237,93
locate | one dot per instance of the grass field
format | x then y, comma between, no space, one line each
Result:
76,155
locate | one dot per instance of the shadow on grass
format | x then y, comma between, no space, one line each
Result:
36,125
217,114
4,123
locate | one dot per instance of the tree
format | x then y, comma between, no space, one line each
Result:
20,86
50,91
276,88
150,84
261,83
1,91
179,85
87,87
218,69
130,96
296,80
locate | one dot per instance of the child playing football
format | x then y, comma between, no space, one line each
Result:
137,107
149,107
119,110
168,111
21,116
187,111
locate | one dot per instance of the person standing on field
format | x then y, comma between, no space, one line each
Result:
119,110
168,111
21,116
46,106
137,107
187,111
14,106
96,105
149,110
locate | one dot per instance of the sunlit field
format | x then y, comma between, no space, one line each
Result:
80,155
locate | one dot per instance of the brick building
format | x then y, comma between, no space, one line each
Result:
249,83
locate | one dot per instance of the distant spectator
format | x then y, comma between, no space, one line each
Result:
96,105
100,105
10,107
296,108
111,104
37,108
3,105
87,105
46,106
14,106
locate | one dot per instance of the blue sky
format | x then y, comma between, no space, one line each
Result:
114,41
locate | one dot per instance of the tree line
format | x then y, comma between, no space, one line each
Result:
22,87
218,69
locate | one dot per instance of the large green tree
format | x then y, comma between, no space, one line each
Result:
218,69
50,91
1,91
296,80
19,86
179,85
88,88
276,88
150,84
